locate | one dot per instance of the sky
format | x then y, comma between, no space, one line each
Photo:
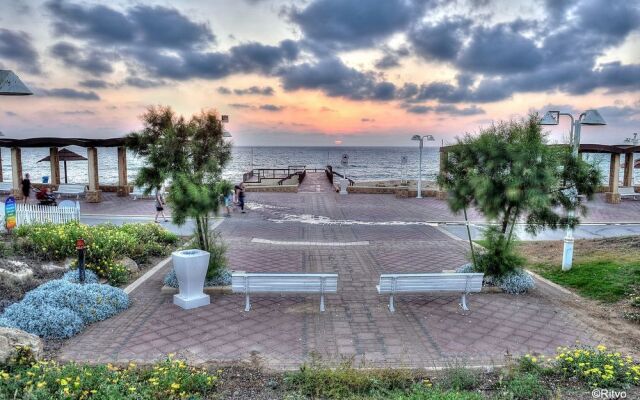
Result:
321,72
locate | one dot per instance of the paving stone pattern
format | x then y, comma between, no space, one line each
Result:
285,331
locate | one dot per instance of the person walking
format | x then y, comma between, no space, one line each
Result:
26,187
240,196
160,205
228,202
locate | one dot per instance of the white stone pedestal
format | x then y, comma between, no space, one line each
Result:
344,183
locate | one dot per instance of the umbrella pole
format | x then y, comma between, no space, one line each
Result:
65,172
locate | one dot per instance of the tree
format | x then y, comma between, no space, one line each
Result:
509,172
191,155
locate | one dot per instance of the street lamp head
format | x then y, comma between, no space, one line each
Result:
429,138
592,117
416,137
550,118
226,134
11,85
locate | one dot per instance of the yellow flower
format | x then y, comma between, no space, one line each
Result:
41,384
63,382
175,386
601,347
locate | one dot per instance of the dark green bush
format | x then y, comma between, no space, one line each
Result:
499,256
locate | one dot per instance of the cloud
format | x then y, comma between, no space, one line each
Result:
78,112
96,63
255,90
444,109
99,23
223,90
143,83
94,83
499,50
67,93
164,27
349,24
10,114
367,119
335,79
441,41
240,105
391,58
16,46
271,107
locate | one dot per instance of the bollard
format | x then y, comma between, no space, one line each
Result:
81,250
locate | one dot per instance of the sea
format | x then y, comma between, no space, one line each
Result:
365,163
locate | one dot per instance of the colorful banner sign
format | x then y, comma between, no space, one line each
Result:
10,213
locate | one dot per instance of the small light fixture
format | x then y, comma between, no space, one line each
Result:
550,118
416,137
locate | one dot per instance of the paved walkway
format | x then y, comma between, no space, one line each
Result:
284,331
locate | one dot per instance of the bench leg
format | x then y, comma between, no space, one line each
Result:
322,303
247,303
463,302
391,307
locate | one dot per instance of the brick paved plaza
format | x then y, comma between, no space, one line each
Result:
284,331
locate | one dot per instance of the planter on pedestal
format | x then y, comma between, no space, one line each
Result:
191,270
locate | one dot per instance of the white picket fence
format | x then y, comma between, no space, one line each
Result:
37,214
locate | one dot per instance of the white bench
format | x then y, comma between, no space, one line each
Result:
628,191
393,284
71,190
250,283
6,187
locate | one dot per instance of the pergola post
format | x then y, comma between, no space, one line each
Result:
123,186
444,157
612,196
628,170
16,172
55,166
94,195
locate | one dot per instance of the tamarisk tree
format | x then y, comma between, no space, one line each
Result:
191,155
511,174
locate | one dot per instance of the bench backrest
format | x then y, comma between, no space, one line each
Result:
627,191
284,282
435,282
71,188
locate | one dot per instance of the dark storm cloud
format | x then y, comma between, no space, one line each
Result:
166,27
441,41
499,50
67,93
96,63
94,83
98,23
271,107
335,79
255,90
445,109
16,46
143,83
348,24
257,57
391,58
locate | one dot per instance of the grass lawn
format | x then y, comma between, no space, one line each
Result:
603,269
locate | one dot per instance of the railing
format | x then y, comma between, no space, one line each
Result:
258,174
330,173
39,214
301,175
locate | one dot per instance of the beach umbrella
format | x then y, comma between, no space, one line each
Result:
65,155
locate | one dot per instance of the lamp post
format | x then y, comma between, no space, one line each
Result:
589,117
421,139
11,85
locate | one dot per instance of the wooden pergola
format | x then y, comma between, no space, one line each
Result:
94,195
612,194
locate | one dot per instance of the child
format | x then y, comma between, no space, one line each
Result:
160,205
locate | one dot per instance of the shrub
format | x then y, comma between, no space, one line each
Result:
60,308
345,381
499,256
635,300
420,392
105,244
170,379
217,259
74,276
597,367
525,386
466,268
43,320
459,378
516,282
223,279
